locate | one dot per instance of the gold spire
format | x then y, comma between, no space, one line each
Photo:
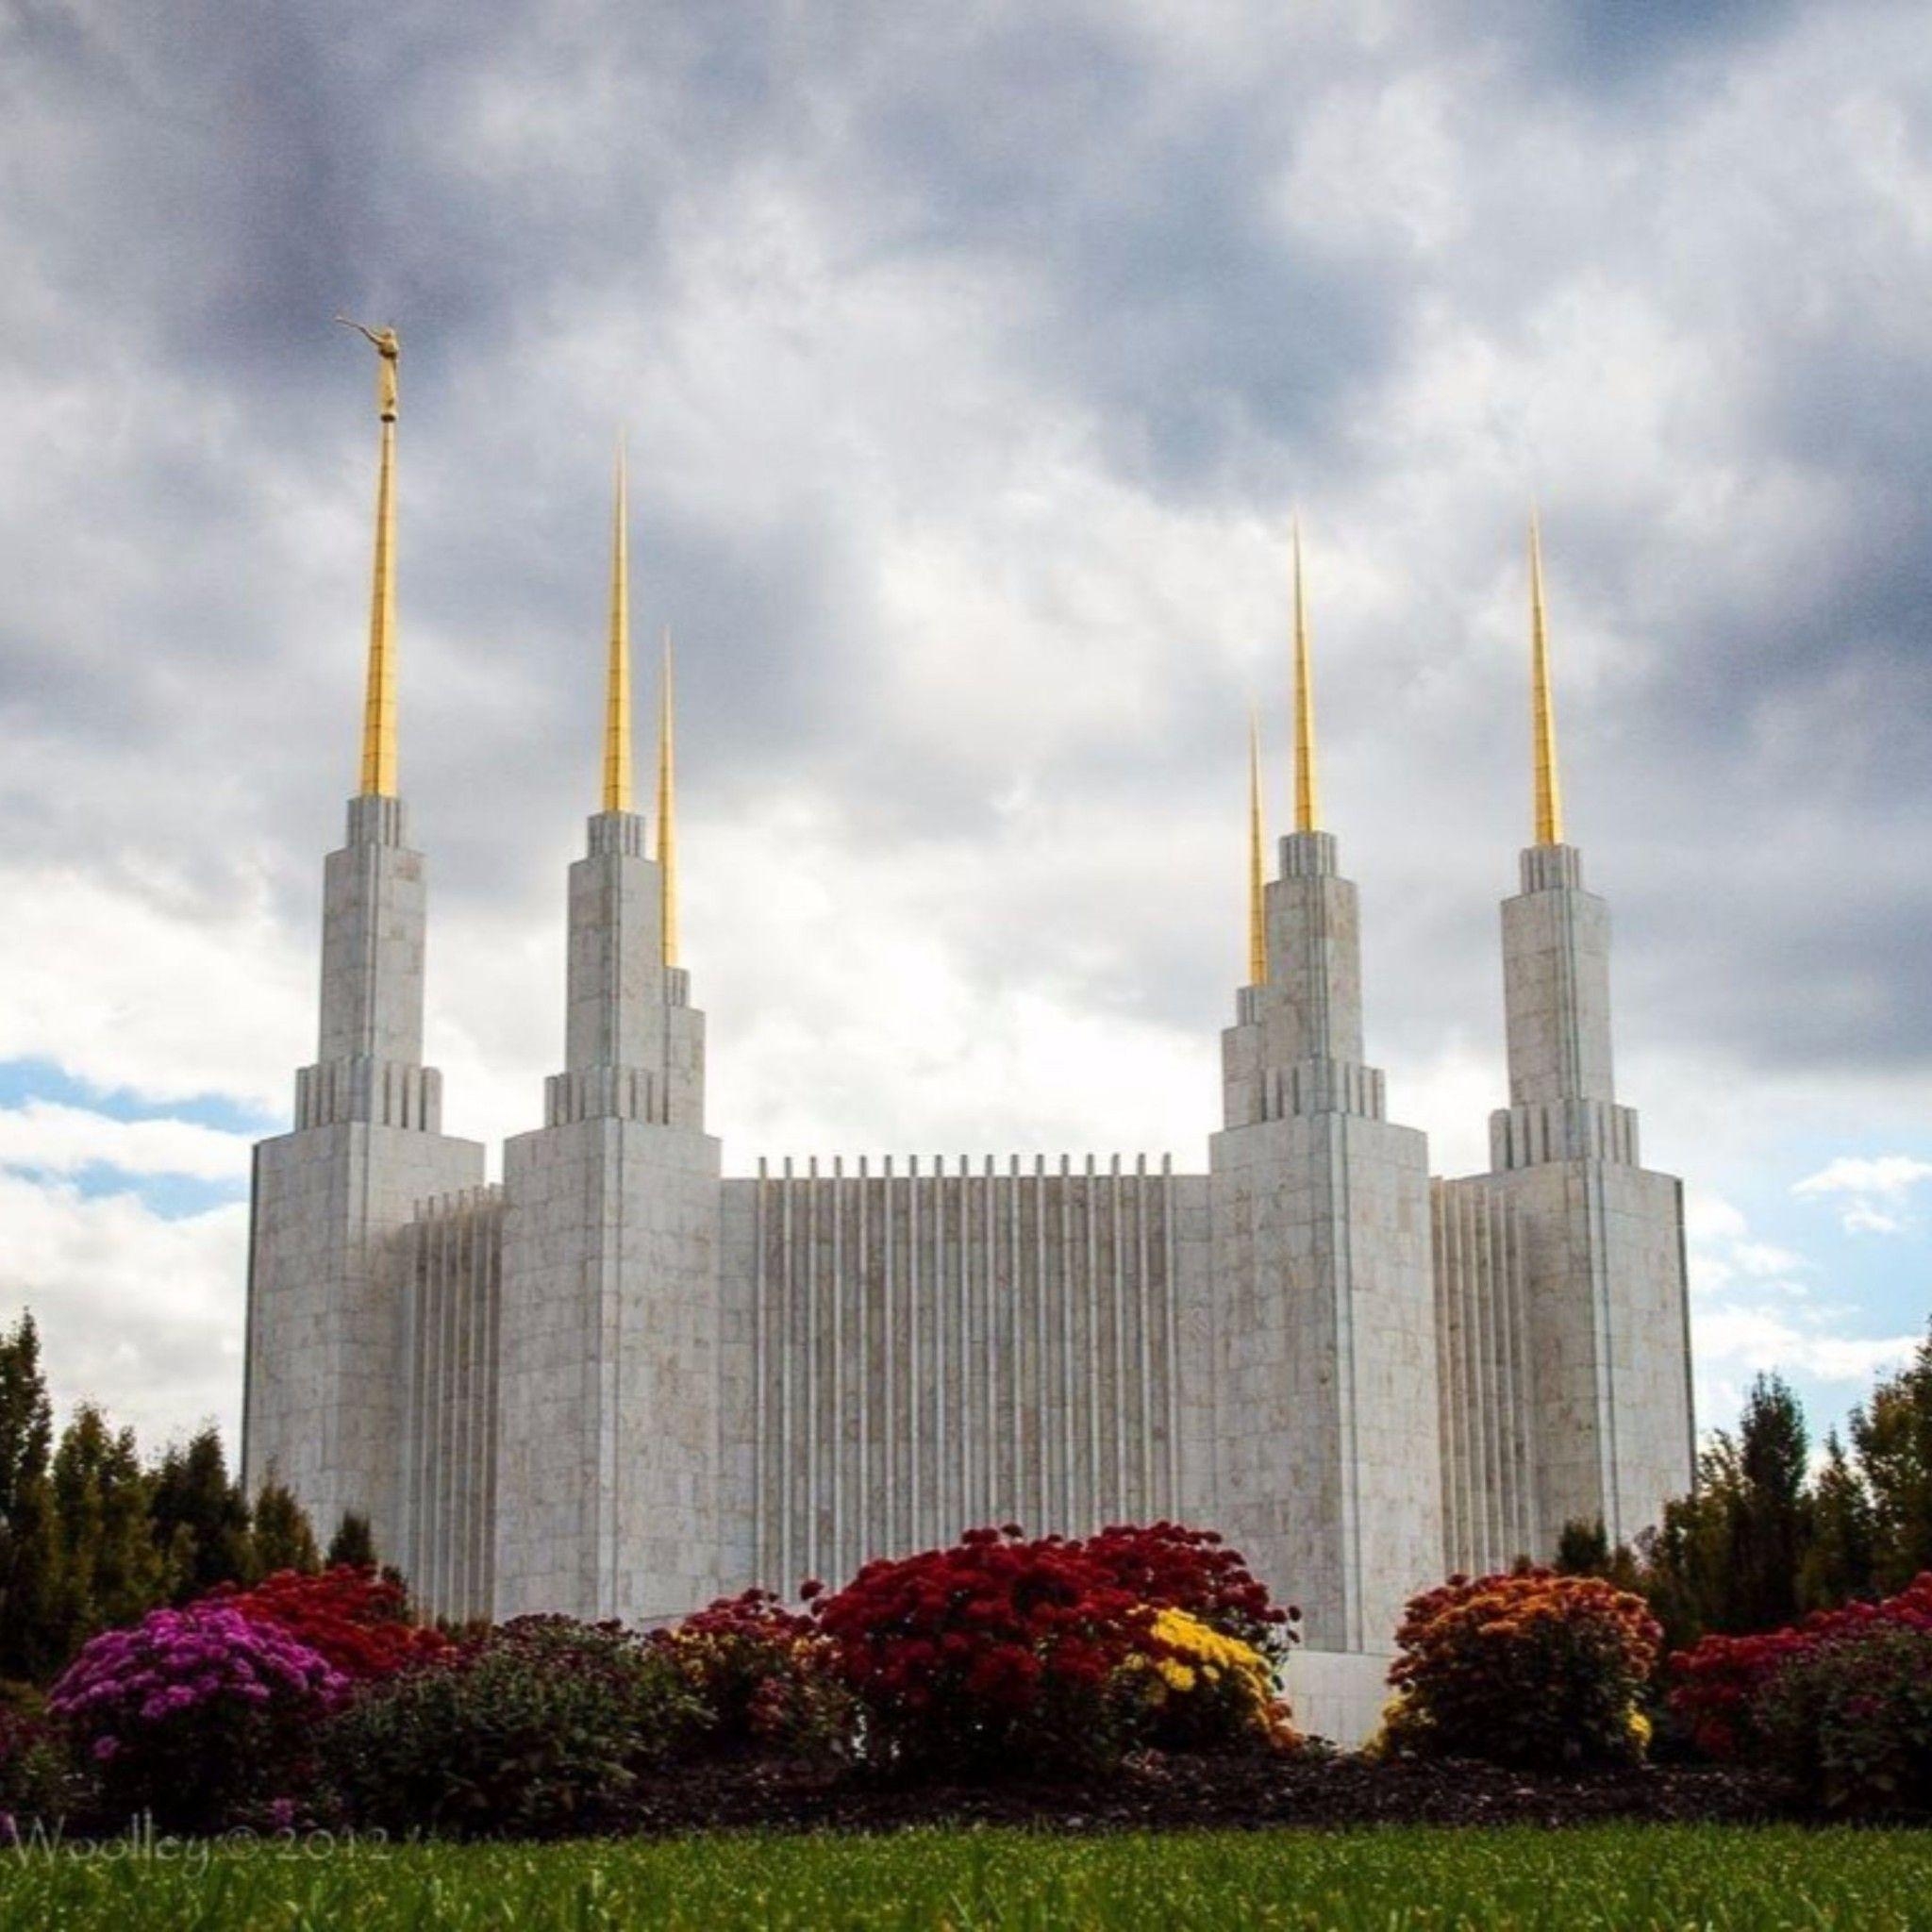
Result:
617,758
1258,870
1549,790
1307,814
379,701
667,811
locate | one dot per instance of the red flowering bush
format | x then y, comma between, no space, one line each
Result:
192,1715
536,1728
997,1654
1193,1570
1719,1684
357,1619
1528,1667
1850,1721
1052,1655
764,1676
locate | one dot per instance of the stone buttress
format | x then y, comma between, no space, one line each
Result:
1606,1309
329,1240
609,1424
1312,1357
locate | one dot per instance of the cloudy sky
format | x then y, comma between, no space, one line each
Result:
972,359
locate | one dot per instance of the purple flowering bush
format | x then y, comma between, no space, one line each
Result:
195,1714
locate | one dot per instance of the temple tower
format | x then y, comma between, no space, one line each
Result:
1603,1237
332,1202
1317,1338
608,1443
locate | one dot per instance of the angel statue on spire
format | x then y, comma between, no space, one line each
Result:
389,346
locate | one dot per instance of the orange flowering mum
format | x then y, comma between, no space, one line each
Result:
1524,1668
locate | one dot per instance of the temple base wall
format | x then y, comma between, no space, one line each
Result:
1321,1364
1339,1694
1608,1342
609,1427
329,1255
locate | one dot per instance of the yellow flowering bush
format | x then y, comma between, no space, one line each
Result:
1199,1689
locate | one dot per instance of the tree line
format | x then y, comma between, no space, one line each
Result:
92,1536
1768,1534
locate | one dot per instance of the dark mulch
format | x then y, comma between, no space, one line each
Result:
1230,1794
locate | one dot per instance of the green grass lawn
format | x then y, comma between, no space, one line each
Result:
1624,1876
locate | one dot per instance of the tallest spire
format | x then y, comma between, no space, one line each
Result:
1549,789
379,701
1308,812
617,759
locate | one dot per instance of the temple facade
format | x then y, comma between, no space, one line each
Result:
620,1381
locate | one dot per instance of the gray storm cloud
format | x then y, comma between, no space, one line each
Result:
971,360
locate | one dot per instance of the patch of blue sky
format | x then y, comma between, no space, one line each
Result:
21,1080
1843,1283
170,1196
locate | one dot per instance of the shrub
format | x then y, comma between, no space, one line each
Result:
357,1619
997,1654
36,1782
1193,1570
1850,1719
193,1714
1199,1689
536,1728
1719,1684
1528,1669
764,1678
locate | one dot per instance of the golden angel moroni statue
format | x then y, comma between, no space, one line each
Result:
388,347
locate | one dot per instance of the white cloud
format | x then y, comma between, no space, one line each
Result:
139,1312
1876,1189
55,1138
1889,1175
159,987
1738,1330
1757,1339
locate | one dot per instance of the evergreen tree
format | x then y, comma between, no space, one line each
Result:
26,1418
352,1543
1838,1564
1892,1435
110,1569
201,1519
1688,1579
1770,1512
1584,1550
30,1554
283,1540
